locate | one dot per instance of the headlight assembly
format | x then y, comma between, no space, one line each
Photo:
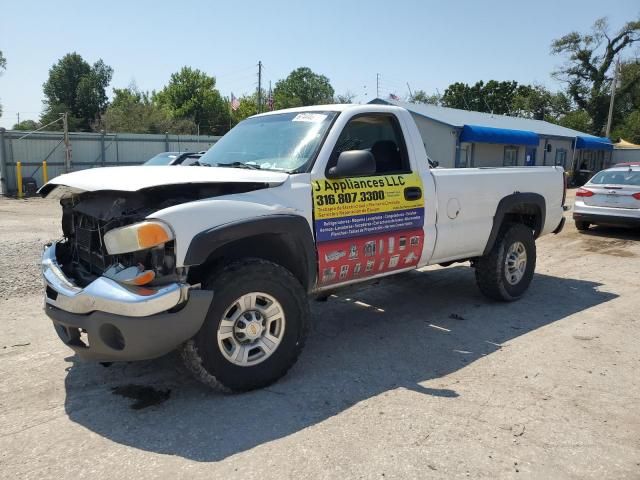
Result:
138,236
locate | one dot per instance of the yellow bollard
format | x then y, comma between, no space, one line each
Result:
19,178
45,174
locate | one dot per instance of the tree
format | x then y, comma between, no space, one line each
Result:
3,67
589,61
28,125
134,111
248,106
77,88
492,97
346,97
420,96
539,103
629,129
301,88
191,94
577,120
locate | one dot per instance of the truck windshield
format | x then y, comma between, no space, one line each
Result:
283,141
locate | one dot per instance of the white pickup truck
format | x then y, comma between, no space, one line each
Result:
219,259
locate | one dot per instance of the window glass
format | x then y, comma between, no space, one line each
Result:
379,134
617,177
281,141
510,156
561,158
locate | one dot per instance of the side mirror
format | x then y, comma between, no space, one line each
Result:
353,163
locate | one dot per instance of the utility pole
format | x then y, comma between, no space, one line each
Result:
410,92
614,85
259,87
18,115
377,85
67,144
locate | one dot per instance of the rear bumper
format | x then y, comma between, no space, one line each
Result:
606,215
607,219
121,322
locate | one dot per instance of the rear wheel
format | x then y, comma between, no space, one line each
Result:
254,330
507,270
582,226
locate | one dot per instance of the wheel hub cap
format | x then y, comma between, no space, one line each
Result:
515,263
251,329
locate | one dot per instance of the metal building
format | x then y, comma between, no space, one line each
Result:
462,138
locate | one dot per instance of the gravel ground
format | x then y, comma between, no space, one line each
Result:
418,376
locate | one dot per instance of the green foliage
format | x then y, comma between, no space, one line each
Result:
578,120
27,125
346,97
493,96
134,111
78,88
629,129
301,88
588,68
248,107
191,94
539,103
420,96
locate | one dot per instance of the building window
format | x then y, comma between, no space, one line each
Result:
510,156
561,158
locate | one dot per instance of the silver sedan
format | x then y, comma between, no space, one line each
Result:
611,197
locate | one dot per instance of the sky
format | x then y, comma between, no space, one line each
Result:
427,44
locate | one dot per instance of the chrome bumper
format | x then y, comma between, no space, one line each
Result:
106,295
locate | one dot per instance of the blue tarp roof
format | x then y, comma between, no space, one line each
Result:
593,143
478,134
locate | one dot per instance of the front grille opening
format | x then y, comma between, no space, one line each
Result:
112,336
73,336
51,293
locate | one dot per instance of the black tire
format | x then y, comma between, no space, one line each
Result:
491,271
582,226
202,355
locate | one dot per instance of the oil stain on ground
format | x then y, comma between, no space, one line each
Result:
614,247
144,396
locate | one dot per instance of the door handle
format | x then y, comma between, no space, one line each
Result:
412,194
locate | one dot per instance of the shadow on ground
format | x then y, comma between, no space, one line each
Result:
407,330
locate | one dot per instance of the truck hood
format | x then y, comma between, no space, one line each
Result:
133,179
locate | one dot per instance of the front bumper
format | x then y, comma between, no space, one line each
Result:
121,322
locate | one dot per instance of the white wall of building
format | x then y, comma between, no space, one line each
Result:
439,140
440,143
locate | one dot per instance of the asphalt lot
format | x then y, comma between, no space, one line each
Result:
418,376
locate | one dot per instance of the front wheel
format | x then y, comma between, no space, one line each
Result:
507,270
254,330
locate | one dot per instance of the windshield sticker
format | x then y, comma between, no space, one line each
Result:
365,226
309,117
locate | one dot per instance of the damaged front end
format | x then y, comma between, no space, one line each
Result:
113,289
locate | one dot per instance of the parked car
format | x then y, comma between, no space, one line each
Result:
611,197
627,164
300,202
175,158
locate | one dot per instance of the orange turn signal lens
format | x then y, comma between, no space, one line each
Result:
152,234
144,278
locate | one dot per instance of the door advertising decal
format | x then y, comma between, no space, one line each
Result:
365,226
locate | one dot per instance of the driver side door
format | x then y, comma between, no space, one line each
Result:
368,225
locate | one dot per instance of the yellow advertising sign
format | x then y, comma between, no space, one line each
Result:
363,195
